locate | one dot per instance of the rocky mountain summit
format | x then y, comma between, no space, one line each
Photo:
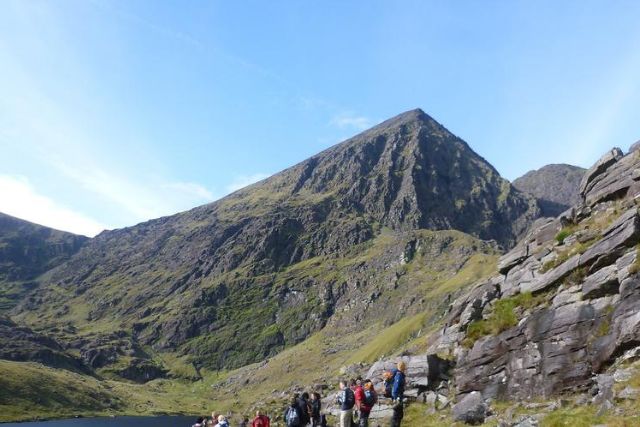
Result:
557,187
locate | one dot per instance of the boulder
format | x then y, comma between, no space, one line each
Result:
422,372
526,422
471,409
628,393
634,147
602,282
623,233
615,183
552,277
608,159
513,258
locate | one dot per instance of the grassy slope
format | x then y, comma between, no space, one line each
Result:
316,360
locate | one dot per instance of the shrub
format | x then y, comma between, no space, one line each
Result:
563,234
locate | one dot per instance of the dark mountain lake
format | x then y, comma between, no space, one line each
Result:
111,422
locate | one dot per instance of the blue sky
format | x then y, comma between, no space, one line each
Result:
114,112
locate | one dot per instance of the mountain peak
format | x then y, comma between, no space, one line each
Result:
416,116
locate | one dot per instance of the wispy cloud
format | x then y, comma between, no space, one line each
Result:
351,121
19,198
191,188
242,181
64,142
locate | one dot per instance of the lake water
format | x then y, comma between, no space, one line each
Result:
111,422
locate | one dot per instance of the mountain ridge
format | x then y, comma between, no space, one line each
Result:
167,281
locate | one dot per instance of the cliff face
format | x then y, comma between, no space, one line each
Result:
565,305
557,187
26,251
225,282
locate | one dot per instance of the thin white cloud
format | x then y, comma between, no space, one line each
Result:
352,121
192,189
244,180
20,199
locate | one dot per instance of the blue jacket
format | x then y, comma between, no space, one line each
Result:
398,385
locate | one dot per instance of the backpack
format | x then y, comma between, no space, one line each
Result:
349,398
369,398
323,421
293,418
388,383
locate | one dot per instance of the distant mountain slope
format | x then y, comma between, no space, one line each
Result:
556,186
28,250
237,280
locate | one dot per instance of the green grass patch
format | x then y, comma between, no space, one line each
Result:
503,316
389,339
564,233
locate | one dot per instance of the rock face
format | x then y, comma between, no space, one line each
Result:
557,187
423,372
26,251
22,344
471,409
191,282
586,289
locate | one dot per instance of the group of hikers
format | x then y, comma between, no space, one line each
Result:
356,399
219,420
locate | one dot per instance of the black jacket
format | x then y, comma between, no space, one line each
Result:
316,407
303,411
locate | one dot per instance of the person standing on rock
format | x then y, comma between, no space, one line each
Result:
399,380
366,400
397,394
346,399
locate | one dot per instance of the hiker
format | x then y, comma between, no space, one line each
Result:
399,379
346,399
366,398
316,407
397,394
398,413
260,420
291,414
244,422
358,391
303,409
214,416
199,422
222,421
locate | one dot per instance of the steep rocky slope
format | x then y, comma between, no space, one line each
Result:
555,186
26,251
561,318
240,279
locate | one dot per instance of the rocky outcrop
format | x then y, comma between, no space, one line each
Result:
613,176
21,344
585,284
26,251
423,372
